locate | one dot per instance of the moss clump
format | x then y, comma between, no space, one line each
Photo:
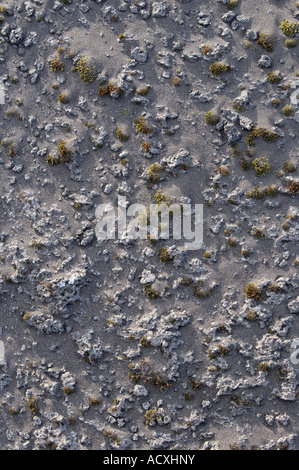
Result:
63,98
112,437
153,172
263,367
106,90
151,416
276,102
142,127
164,255
245,253
256,132
56,65
93,401
212,118
14,112
32,404
218,68
176,81
64,152
232,242
259,233
273,77
146,146
223,170
256,193
253,292
52,160
289,29
198,291
251,315
289,167
12,151
160,197
290,43
272,191
266,41
231,4
261,166
144,342
237,107
245,164
206,49
150,292
67,390
293,187
13,411
86,71
121,135
186,281
287,110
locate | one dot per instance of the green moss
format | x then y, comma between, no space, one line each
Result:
287,110
273,77
153,172
144,342
151,416
256,132
251,315
93,401
121,135
231,4
253,292
272,191
259,233
142,127
290,43
32,404
51,160
176,81
146,146
266,41
218,68
212,118
263,367
64,152
293,187
289,29
289,167
13,411
198,291
206,49
245,164
165,256
63,98
276,102
261,166
150,292
86,71
256,193
56,65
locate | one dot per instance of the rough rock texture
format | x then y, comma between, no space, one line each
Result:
144,344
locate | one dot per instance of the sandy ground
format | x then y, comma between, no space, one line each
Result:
111,345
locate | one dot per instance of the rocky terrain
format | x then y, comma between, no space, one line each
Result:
141,344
